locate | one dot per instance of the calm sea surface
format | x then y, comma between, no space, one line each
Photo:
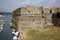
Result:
6,34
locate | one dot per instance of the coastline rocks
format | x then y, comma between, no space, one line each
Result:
1,28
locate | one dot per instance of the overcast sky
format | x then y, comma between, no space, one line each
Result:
10,5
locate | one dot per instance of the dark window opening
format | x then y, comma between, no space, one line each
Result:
42,12
58,15
28,11
50,11
56,19
42,16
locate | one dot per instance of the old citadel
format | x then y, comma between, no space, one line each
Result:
31,17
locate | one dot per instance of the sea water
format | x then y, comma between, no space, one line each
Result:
6,34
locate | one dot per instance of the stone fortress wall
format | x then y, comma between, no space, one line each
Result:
31,17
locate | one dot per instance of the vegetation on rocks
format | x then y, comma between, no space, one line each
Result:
15,20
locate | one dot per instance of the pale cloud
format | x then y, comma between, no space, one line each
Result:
31,2
51,1
14,4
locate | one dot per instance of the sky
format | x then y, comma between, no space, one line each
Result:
10,5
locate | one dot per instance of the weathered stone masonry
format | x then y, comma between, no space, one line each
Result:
34,17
